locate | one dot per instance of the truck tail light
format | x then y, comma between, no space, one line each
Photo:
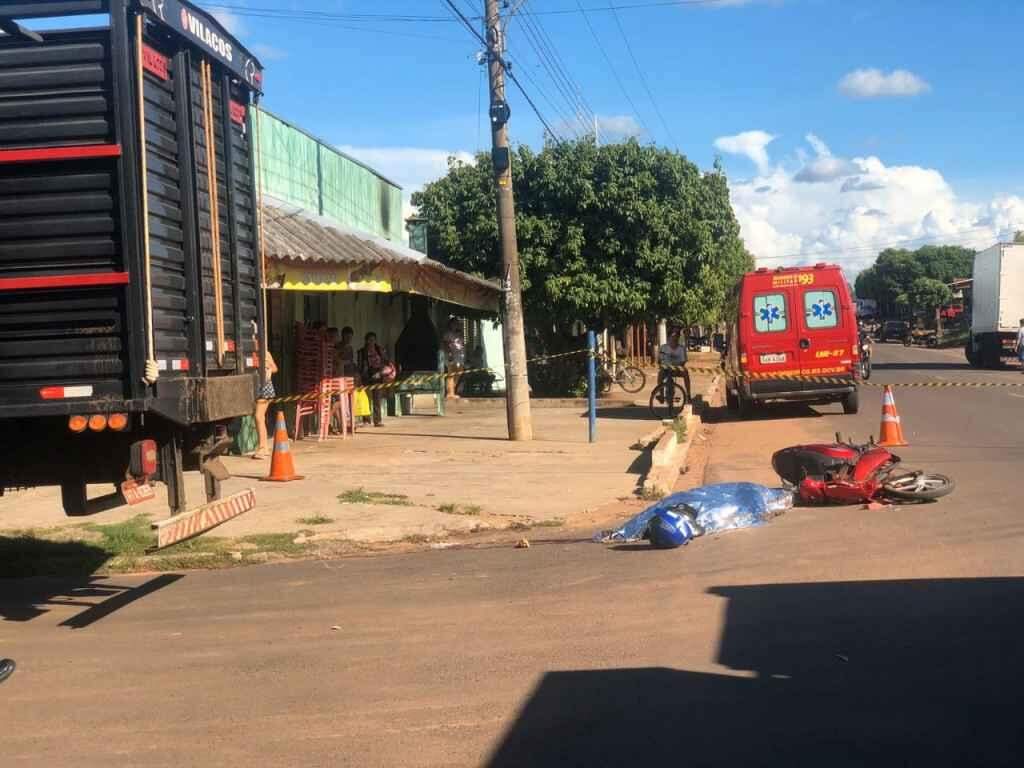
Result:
63,393
97,422
117,421
78,423
743,358
143,458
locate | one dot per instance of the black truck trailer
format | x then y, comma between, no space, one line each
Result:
130,266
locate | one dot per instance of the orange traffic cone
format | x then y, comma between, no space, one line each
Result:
891,430
282,467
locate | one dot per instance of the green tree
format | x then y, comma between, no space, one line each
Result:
927,294
896,270
1018,236
607,235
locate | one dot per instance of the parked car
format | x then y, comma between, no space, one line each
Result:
894,330
794,337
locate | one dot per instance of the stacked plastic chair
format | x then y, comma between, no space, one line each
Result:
315,364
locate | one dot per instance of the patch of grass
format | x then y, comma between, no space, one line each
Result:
470,510
128,539
277,543
552,523
679,427
315,520
360,496
25,554
416,538
518,526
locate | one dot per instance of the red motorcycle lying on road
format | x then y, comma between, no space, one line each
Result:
846,473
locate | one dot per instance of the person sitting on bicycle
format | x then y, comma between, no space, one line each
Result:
672,356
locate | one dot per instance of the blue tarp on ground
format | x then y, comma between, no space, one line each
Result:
714,508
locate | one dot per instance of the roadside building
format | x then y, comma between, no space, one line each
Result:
333,241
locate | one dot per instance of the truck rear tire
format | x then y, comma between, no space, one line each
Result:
970,354
74,497
991,351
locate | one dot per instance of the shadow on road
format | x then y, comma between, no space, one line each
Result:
768,412
36,573
887,673
921,366
625,411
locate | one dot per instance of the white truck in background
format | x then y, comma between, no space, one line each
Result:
997,304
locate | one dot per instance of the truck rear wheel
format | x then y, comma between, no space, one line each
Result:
970,354
991,350
74,497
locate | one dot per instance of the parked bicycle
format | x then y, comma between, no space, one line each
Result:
630,378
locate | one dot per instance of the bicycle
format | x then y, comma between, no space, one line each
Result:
668,397
630,378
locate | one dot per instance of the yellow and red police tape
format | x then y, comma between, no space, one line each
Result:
814,377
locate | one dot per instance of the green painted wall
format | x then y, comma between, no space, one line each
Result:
301,170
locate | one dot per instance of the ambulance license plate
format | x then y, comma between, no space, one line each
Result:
779,357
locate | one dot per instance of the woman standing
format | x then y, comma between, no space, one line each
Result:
455,355
264,395
373,363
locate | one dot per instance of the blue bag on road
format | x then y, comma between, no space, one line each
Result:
712,508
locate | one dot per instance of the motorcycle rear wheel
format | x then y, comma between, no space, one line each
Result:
918,486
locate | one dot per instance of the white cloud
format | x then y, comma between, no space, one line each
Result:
269,52
409,167
851,216
618,126
824,167
751,144
875,84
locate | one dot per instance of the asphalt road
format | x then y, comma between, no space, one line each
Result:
829,637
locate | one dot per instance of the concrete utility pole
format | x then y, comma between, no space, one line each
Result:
517,388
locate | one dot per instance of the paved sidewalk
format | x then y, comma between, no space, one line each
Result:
455,474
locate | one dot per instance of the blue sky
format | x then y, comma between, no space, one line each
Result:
913,108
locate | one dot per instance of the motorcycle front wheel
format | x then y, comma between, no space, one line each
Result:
865,368
918,486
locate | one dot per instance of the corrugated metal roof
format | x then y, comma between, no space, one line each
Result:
293,234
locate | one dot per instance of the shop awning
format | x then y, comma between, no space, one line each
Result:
306,252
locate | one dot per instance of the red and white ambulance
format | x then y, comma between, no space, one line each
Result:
794,337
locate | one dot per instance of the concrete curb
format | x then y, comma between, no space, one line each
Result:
668,457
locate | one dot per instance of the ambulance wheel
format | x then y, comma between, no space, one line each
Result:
851,403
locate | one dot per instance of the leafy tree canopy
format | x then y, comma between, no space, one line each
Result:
926,294
607,234
891,278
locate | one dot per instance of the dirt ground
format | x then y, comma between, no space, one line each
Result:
420,478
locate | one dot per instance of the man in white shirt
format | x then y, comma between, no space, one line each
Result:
1019,348
672,356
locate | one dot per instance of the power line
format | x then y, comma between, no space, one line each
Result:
468,25
550,66
246,10
611,67
643,77
576,99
